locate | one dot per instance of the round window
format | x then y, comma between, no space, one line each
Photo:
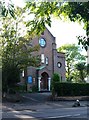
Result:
42,42
59,64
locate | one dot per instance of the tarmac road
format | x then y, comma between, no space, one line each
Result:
36,107
47,113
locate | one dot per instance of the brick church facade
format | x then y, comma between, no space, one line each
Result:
51,62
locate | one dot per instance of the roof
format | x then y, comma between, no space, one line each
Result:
40,67
49,32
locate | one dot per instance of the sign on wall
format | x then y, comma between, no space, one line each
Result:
30,79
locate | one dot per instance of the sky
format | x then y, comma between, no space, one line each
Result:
65,32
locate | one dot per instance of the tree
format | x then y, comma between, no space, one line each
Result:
16,54
7,8
87,68
73,56
81,68
43,12
78,11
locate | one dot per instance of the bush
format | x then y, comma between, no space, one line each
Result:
55,80
72,89
34,88
11,91
21,88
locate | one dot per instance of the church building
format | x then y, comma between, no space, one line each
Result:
51,62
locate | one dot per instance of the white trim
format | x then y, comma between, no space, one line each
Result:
39,78
49,83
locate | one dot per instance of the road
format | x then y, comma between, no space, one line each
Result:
73,112
44,110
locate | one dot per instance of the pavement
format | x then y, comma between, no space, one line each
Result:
39,102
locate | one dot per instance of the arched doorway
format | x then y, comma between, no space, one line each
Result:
44,81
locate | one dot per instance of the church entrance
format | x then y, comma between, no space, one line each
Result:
44,81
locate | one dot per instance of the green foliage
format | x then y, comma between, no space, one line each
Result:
78,11
15,52
43,11
72,52
84,41
55,79
34,88
72,89
11,44
87,69
20,88
7,8
81,68
11,91
10,76
72,56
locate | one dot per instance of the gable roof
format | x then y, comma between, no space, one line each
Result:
49,32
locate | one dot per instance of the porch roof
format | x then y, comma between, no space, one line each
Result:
40,67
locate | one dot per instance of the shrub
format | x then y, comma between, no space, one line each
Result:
34,88
21,88
72,89
55,80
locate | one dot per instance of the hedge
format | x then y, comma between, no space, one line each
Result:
72,89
